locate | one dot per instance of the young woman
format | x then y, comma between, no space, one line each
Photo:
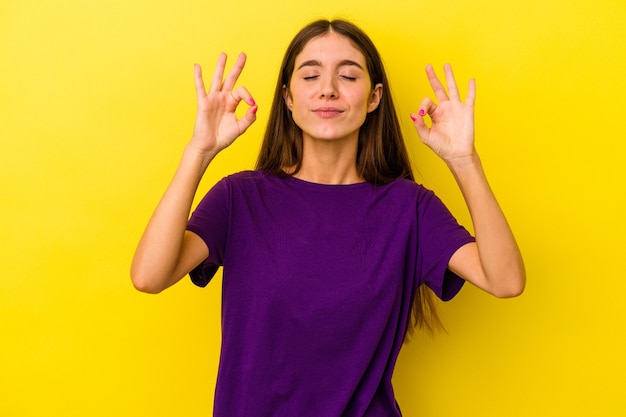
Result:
329,245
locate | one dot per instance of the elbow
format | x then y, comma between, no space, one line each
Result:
143,282
509,292
146,288
143,286
514,287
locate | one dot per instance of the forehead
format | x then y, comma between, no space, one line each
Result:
328,48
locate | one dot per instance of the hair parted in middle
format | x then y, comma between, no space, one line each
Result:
381,153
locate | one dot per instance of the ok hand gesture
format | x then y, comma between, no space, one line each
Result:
216,125
451,135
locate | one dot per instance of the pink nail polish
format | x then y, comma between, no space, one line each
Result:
422,112
413,118
254,110
252,102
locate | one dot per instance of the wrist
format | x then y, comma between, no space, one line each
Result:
464,163
198,156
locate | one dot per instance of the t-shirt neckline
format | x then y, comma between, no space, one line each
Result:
323,185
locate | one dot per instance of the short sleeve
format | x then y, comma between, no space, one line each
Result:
439,237
210,222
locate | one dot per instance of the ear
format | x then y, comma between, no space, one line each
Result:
287,97
375,97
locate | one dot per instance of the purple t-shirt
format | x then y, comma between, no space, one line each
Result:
318,285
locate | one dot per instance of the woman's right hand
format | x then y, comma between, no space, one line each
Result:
216,125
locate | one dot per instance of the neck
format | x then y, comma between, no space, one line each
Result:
329,161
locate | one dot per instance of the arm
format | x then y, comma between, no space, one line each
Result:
494,263
166,251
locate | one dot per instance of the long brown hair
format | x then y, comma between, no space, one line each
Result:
381,154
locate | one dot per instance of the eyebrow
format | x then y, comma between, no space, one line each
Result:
345,62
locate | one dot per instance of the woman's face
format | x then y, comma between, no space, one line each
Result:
330,91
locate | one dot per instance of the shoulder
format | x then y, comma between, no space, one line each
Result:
252,185
246,177
412,194
407,188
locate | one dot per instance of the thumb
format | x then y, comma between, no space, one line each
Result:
427,107
420,125
246,121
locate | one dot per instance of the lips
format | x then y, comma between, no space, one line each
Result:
327,112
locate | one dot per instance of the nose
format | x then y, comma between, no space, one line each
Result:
328,88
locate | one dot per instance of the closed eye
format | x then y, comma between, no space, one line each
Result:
311,77
346,77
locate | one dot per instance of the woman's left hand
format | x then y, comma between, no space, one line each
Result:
451,135
494,262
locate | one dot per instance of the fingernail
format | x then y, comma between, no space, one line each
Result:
422,112
252,102
254,110
413,118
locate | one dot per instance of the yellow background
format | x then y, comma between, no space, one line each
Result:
97,103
